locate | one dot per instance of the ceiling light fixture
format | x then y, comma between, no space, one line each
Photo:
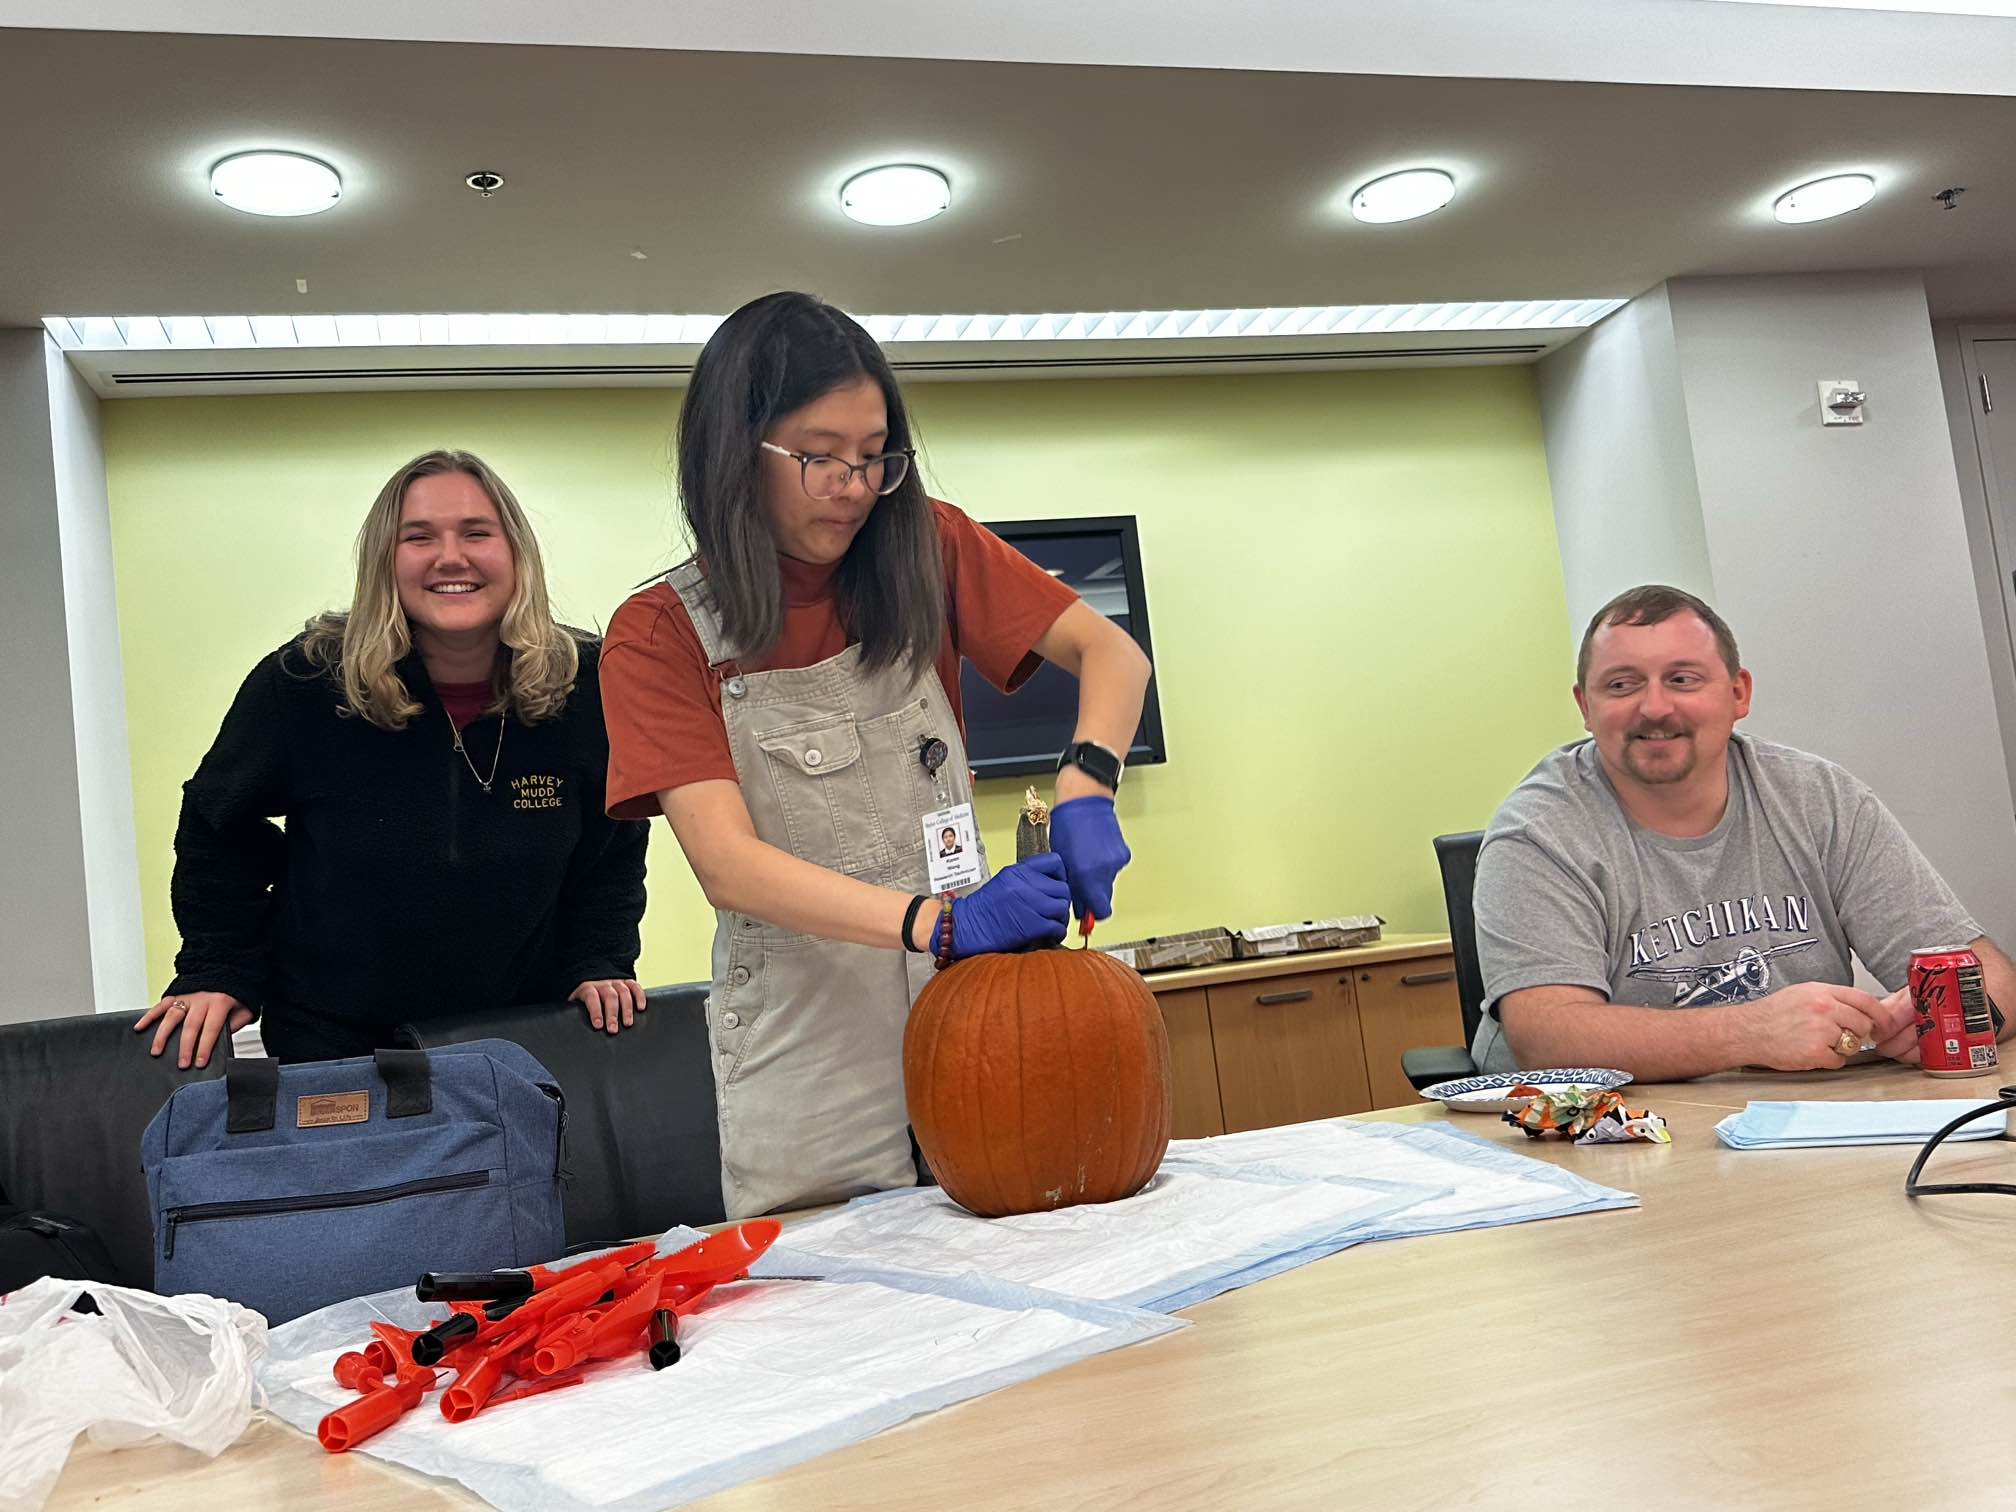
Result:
1403,196
1823,199
901,194
276,183
132,332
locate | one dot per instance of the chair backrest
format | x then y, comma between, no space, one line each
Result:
643,1152
75,1095
1457,855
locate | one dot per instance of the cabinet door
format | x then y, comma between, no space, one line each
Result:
1402,1006
1289,1050
1193,1068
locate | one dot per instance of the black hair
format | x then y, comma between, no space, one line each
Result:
770,358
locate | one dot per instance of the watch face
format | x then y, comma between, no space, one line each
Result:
1094,761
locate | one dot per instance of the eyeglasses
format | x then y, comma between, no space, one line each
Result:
828,477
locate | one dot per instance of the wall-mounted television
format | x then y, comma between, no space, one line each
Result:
1013,735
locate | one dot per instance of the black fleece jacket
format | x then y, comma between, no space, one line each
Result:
399,889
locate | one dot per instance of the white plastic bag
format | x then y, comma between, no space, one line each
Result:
180,1368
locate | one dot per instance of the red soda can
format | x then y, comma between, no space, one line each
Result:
1956,1032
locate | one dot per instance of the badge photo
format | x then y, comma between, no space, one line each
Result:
952,848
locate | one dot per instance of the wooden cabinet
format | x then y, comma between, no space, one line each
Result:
1193,1065
1288,1050
1402,1006
1254,1044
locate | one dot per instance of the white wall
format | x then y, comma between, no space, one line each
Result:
70,936
97,691
45,935
1840,556
1991,589
1627,509
1896,47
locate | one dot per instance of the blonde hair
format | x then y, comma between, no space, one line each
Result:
364,645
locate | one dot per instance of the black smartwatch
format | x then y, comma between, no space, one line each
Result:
1092,759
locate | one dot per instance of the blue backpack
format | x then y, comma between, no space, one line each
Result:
286,1188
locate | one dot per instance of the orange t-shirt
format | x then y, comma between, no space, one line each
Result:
662,701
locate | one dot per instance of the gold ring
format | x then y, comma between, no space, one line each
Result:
1849,1043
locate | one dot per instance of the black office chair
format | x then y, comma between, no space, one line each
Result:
1457,855
75,1095
643,1151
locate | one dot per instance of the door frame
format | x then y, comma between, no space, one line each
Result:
1991,546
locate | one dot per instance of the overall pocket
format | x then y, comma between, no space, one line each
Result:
824,794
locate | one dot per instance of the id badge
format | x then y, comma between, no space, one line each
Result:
952,848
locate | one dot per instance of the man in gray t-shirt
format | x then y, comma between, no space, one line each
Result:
1669,863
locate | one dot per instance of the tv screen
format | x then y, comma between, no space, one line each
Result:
1013,735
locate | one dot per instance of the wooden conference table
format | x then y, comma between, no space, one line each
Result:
1770,1329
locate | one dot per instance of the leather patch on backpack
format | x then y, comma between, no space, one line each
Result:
324,1108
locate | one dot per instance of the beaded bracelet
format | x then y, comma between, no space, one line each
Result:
941,933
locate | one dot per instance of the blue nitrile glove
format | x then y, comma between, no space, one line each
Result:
1086,833
1020,905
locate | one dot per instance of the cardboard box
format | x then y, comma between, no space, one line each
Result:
1200,947
1310,934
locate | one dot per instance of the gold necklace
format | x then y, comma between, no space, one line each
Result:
481,781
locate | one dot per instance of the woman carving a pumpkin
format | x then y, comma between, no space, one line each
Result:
789,699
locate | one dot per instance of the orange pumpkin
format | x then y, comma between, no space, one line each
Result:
1038,1080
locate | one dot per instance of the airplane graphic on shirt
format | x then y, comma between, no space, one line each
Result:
1739,980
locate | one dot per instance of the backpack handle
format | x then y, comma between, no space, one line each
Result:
409,1082
251,1092
252,1089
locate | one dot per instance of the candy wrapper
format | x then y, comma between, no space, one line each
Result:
1586,1116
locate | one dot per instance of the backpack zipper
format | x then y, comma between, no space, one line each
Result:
560,1171
253,1207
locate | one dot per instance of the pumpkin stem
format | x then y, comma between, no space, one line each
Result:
1032,830
1032,838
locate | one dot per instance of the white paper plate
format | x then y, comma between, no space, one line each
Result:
1486,1094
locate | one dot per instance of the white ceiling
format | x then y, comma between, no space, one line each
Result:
1076,187
1932,46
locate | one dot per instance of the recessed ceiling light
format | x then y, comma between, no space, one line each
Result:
1403,196
276,183
901,194
1824,198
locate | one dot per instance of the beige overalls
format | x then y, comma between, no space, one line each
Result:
807,1033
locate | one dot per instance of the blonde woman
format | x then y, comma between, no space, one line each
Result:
438,754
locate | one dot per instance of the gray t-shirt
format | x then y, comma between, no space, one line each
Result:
1806,866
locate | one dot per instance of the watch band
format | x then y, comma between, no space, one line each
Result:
1094,760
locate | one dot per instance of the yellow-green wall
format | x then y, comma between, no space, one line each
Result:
1352,583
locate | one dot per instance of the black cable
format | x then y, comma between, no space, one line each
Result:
1912,1187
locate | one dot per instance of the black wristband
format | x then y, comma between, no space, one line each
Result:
910,922
1098,763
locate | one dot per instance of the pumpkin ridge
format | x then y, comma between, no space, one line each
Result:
1009,1003
927,1025
979,1110
954,1099
1094,1143
943,1104
1069,1079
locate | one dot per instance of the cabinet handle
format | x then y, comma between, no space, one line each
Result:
1270,998
1426,978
